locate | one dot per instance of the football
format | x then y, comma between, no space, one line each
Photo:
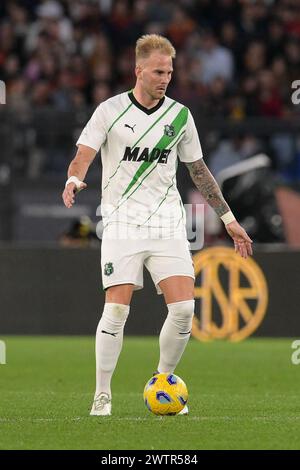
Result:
165,394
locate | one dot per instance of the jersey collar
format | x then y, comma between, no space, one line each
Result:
141,107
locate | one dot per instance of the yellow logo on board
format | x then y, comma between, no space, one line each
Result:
231,295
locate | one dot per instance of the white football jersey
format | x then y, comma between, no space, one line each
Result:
139,150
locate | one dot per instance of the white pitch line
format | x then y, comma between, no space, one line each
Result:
128,418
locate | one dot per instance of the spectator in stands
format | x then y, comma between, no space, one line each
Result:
216,60
235,59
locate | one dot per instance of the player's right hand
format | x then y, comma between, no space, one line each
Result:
69,193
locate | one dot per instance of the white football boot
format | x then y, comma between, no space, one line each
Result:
184,411
101,405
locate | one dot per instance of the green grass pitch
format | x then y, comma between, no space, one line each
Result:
242,396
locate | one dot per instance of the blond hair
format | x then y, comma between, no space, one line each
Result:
153,42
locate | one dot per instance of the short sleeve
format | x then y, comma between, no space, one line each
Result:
94,133
189,148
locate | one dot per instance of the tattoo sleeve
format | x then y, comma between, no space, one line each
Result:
208,187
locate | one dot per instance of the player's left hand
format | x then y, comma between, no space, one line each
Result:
242,243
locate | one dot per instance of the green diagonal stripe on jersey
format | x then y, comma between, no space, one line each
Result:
163,199
177,123
119,117
154,124
146,132
166,194
153,168
116,120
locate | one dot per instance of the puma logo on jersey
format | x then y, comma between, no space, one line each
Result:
139,154
130,127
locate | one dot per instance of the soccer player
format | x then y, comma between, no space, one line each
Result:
141,133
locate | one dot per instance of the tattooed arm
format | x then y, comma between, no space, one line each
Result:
209,189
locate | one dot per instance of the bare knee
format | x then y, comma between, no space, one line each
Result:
120,294
177,289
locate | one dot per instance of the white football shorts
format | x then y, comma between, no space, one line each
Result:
122,261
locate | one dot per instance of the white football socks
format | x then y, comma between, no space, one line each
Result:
175,334
109,340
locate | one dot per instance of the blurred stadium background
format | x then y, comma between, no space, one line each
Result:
237,67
